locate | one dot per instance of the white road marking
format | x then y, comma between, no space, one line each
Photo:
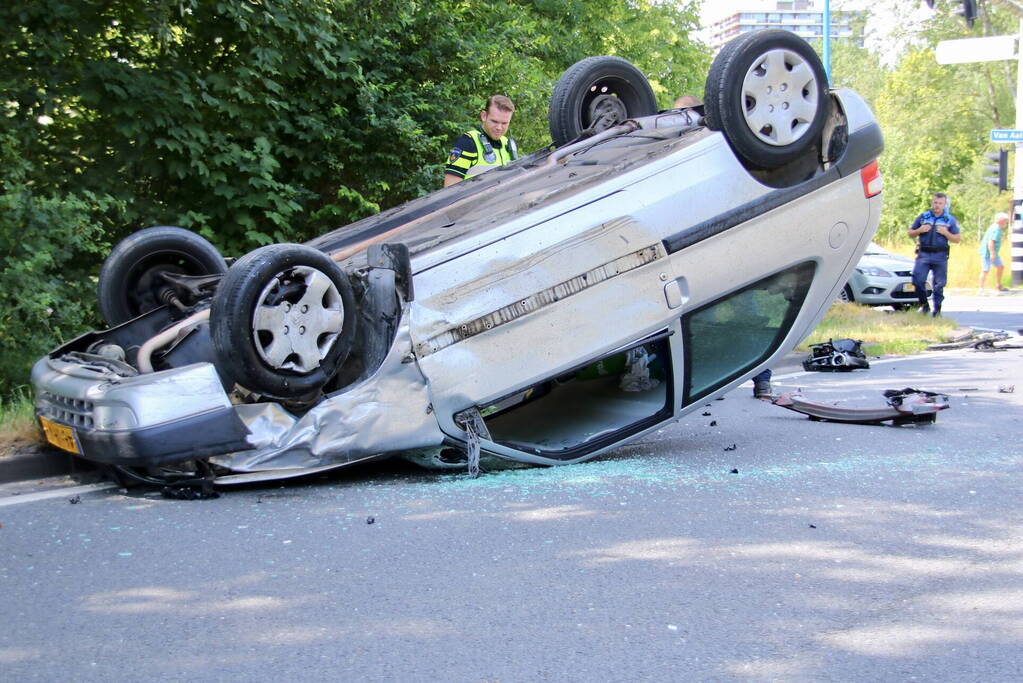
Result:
70,491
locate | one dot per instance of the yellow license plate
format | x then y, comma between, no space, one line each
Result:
60,436
908,287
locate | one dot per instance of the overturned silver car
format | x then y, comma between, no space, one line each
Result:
543,312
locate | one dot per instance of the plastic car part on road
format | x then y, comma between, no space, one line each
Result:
903,406
836,355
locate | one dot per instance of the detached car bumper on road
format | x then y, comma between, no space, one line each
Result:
542,312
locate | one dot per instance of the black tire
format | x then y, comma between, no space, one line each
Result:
846,295
761,66
254,330
129,282
598,90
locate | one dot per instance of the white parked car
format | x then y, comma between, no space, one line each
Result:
543,312
882,278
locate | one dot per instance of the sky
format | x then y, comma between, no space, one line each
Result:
715,9
879,26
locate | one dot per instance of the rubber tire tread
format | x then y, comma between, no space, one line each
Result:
235,354
723,104
714,86
564,117
112,288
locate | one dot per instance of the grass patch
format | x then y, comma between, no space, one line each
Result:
963,263
883,333
17,423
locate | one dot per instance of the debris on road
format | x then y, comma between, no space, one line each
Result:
836,355
986,341
904,406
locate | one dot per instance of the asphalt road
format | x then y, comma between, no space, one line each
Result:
834,552
1001,312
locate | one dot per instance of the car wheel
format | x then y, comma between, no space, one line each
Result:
846,295
130,282
282,321
598,93
767,92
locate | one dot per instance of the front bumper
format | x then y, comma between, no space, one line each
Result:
877,291
150,419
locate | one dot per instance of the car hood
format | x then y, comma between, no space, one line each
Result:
886,262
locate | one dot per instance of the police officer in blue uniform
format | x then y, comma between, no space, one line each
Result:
480,150
935,229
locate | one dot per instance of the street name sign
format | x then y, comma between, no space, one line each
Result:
1006,135
968,50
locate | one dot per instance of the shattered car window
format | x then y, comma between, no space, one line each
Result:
579,410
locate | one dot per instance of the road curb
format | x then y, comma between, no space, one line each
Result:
38,461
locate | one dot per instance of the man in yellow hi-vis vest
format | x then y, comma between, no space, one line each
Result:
477,151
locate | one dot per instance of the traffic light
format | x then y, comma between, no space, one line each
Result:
968,12
1000,173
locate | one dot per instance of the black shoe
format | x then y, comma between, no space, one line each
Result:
937,313
924,308
762,389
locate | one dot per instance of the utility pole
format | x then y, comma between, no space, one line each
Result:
1016,236
827,39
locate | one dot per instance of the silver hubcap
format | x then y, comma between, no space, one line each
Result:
297,335
779,97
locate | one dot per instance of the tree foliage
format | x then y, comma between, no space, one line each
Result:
936,120
257,121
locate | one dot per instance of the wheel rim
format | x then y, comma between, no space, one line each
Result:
843,296
780,93
607,103
298,318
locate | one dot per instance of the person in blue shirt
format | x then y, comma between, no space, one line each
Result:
934,229
990,244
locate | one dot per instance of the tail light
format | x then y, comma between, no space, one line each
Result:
871,177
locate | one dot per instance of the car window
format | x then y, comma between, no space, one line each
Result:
590,407
734,333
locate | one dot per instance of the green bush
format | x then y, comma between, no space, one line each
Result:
50,247
262,120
